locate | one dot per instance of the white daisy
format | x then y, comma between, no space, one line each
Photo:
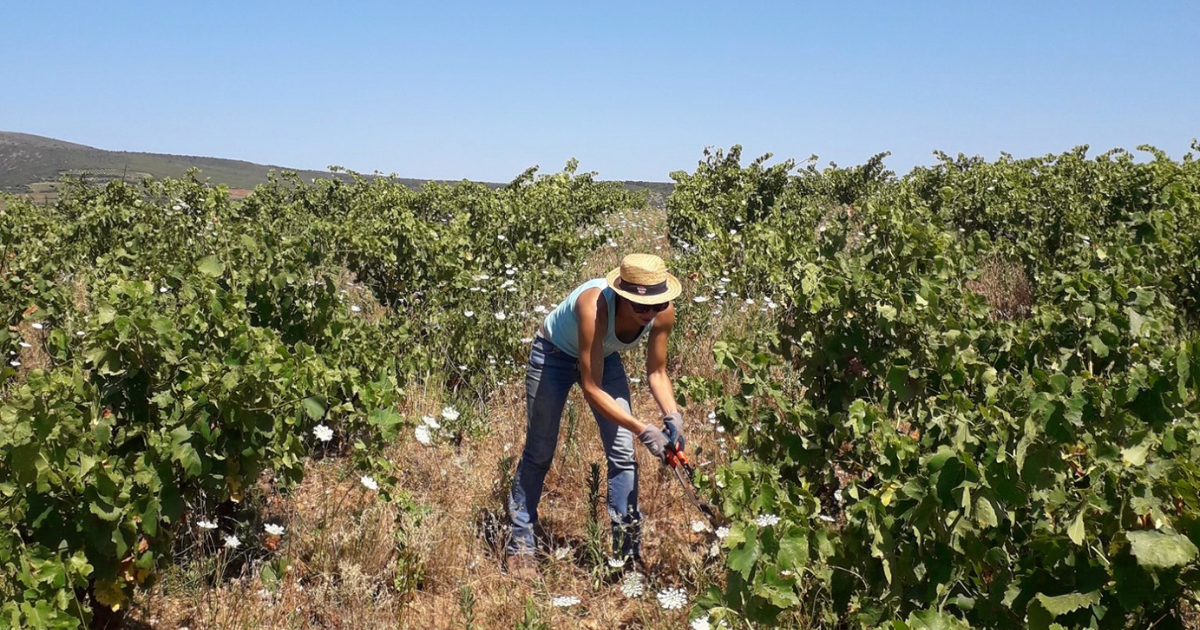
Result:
616,563
232,542
766,520
323,433
633,585
369,482
449,413
423,436
672,598
273,529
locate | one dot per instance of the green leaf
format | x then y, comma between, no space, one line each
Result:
387,420
743,557
1062,604
1135,455
314,407
1136,322
934,620
1158,550
793,550
985,512
1076,531
249,243
1098,346
210,266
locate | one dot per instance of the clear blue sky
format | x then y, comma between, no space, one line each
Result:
633,90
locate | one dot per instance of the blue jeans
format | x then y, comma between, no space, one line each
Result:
549,377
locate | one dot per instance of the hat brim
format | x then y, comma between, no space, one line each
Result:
674,289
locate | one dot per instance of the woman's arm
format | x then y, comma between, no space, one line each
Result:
656,361
591,309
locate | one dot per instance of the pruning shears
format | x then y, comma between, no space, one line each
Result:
685,472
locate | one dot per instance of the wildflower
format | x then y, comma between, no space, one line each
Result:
501,316
273,529
15,363
750,301
701,623
700,299
633,586
369,482
539,309
355,309
699,526
431,422
323,433
206,525
564,601
37,325
449,413
712,417
163,289
672,598
483,276
24,345
79,333
616,563
423,436
232,542
509,272
526,339
710,236
766,520
561,553
469,313
722,532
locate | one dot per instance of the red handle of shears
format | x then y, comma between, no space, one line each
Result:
675,456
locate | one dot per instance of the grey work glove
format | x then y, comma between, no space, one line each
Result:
654,441
673,429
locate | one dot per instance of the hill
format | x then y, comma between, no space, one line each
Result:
31,164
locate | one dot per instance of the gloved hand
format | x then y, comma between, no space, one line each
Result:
673,429
654,441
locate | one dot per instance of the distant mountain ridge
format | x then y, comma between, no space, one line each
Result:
30,163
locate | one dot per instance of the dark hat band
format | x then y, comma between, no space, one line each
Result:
642,289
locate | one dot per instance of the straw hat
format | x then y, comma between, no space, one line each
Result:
643,278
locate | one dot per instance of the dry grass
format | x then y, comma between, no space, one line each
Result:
355,557
1007,289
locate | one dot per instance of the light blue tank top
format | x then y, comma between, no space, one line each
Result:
561,325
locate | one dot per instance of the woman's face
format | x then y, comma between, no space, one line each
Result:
643,313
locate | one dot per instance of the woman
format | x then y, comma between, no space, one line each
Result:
579,342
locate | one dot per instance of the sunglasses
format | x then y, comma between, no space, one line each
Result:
642,309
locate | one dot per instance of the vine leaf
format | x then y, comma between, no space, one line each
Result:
1157,550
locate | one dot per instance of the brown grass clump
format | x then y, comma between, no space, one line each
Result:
1006,287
